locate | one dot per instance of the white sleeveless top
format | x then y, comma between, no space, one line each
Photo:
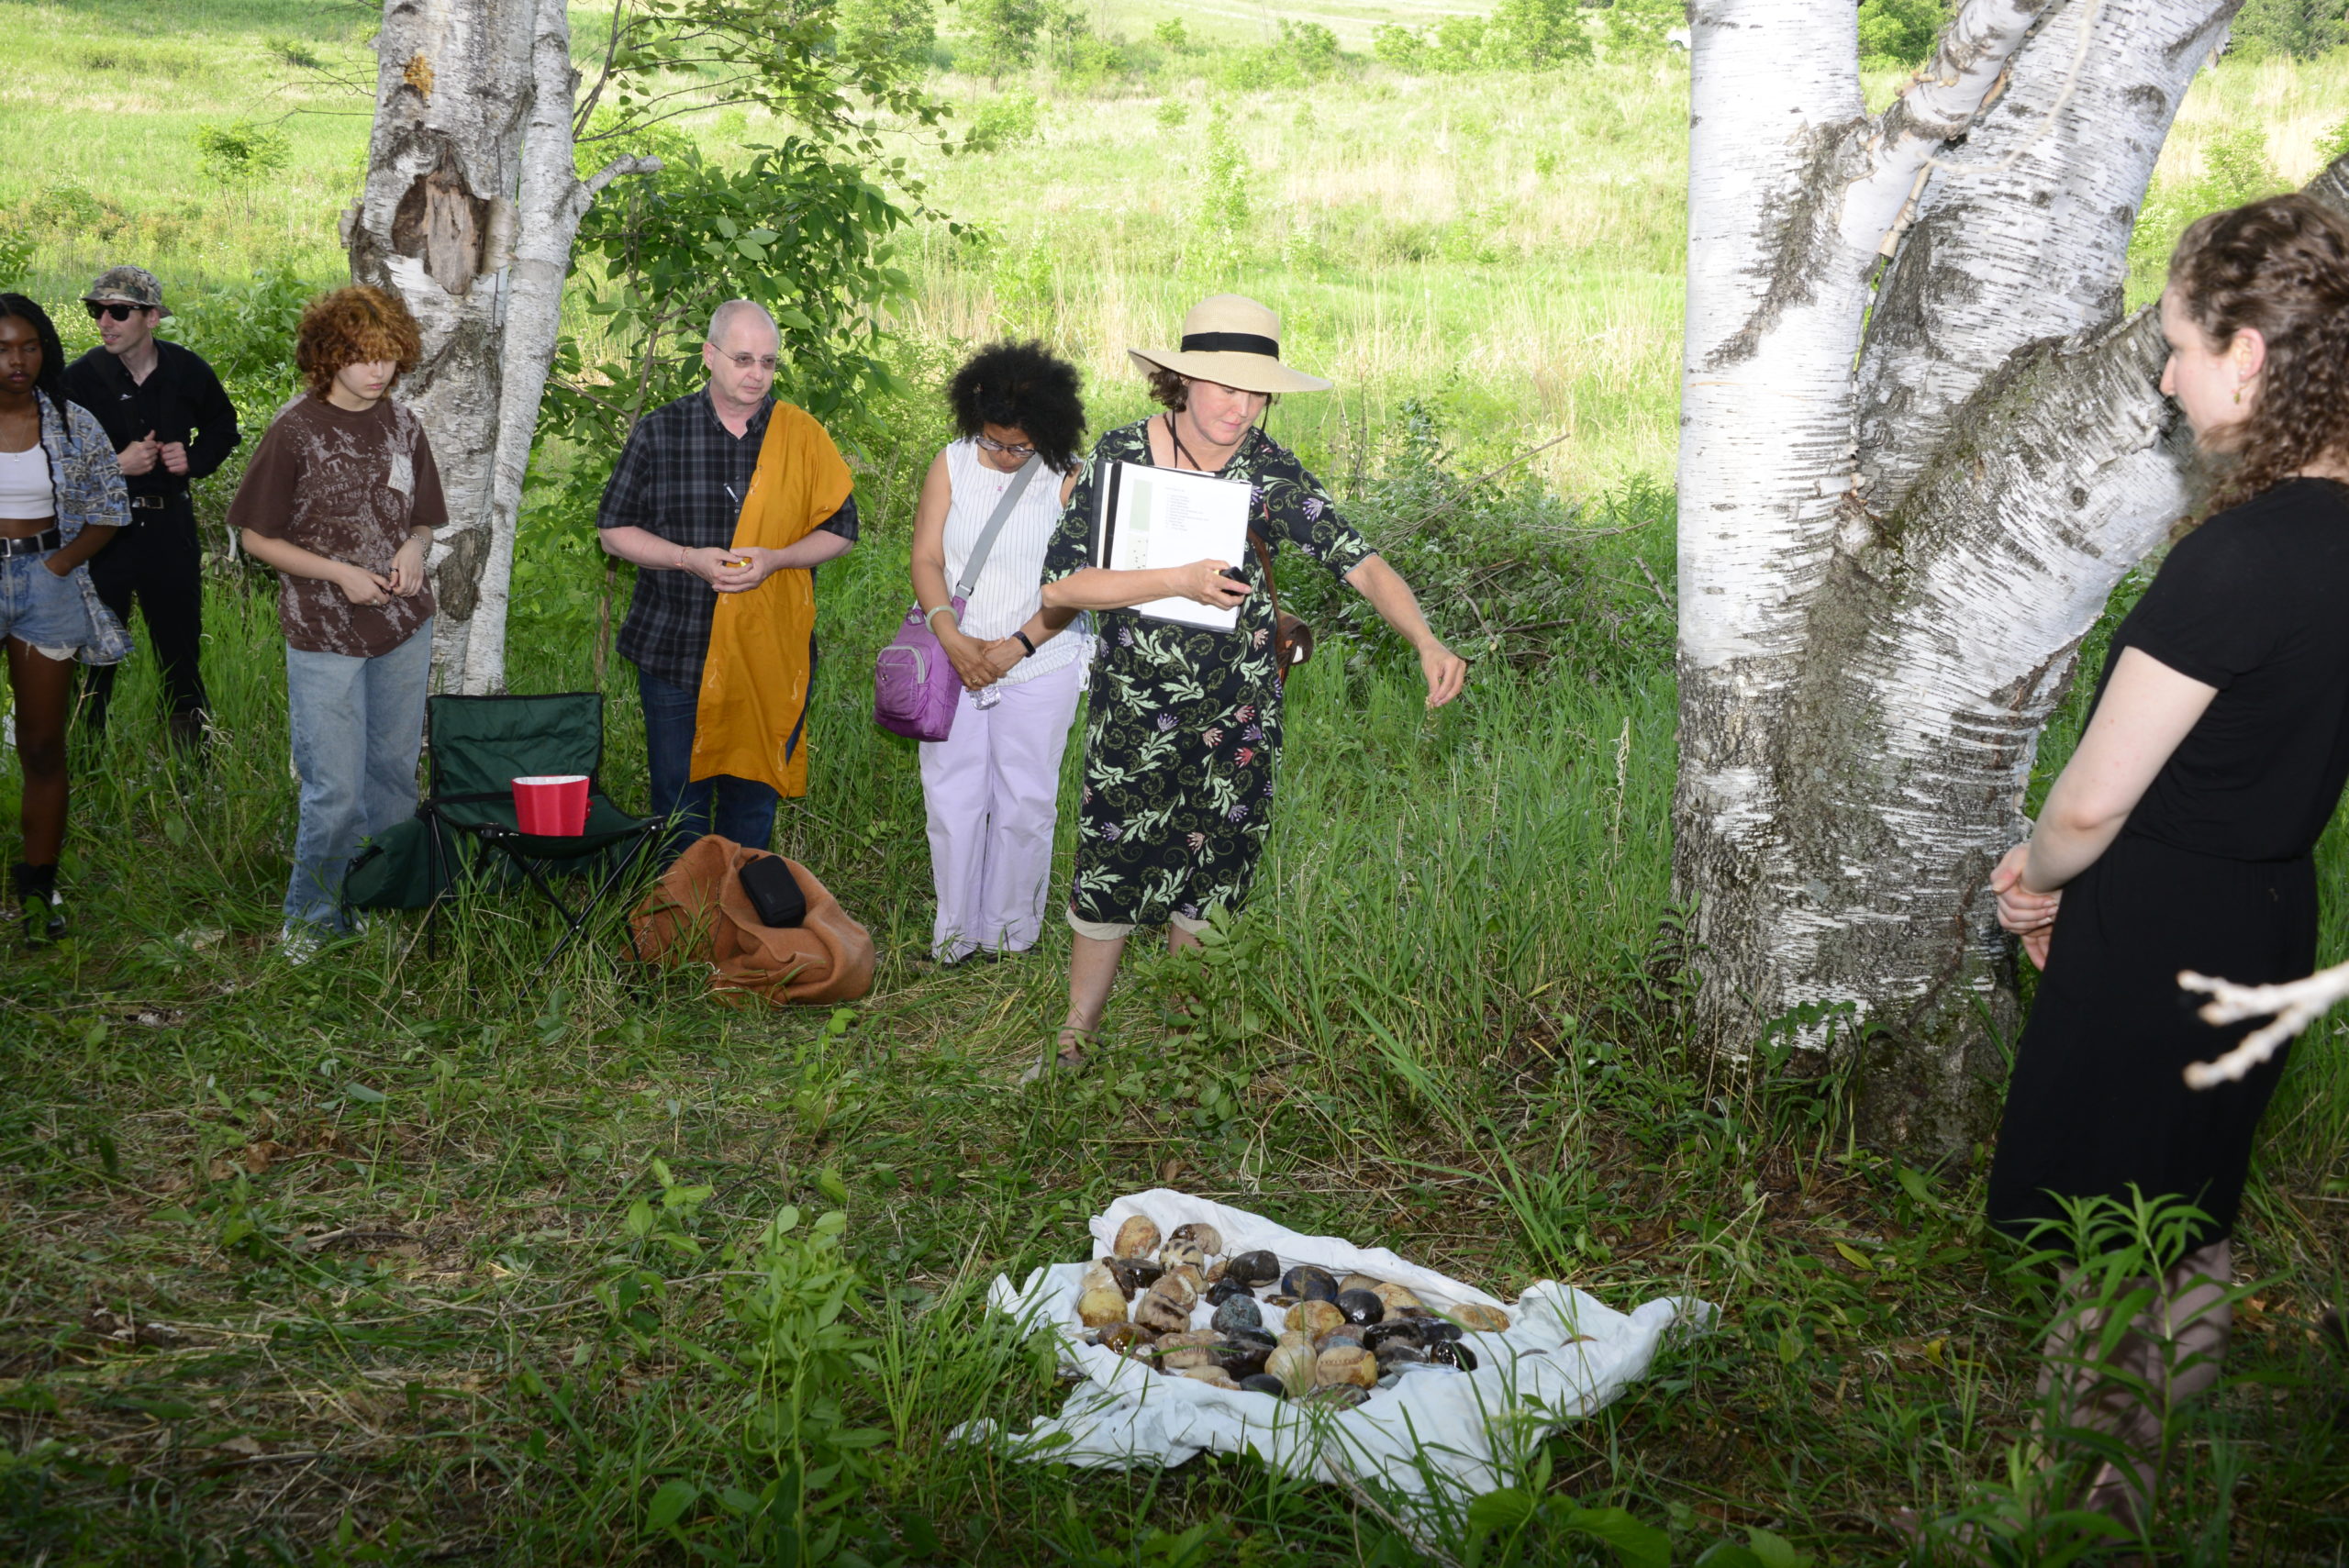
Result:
26,492
1010,585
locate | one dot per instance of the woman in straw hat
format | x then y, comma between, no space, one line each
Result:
1185,725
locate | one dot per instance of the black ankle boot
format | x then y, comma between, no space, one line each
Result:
43,912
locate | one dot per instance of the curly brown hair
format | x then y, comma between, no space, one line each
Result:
1169,389
1173,389
354,326
2278,267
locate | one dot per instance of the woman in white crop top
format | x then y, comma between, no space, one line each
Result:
993,784
60,500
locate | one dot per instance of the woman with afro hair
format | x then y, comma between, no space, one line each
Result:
993,784
342,498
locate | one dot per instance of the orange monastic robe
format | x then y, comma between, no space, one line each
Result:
752,721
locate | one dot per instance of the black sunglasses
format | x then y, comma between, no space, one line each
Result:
114,309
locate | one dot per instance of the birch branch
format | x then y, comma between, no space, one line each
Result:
1939,104
616,169
2294,1003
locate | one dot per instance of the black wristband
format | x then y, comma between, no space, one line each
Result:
1025,643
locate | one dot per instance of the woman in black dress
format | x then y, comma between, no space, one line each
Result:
2180,834
1182,728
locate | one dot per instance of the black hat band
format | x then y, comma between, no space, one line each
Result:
1230,343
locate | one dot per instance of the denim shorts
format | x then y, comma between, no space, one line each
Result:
39,607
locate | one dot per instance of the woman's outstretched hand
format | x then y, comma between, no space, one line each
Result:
2031,915
1446,673
1203,582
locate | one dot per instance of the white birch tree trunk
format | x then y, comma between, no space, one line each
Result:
1919,448
469,212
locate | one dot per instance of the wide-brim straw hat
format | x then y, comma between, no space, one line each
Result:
1231,341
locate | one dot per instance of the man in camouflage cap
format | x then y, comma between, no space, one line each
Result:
170,424
129,285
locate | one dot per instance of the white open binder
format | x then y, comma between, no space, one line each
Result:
1149,518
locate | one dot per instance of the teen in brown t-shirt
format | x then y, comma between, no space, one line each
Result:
341,498
353,488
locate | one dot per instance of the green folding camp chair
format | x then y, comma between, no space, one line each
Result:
478,747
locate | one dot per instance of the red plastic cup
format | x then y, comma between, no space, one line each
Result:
551,806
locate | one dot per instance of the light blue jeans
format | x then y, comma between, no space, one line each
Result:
358,725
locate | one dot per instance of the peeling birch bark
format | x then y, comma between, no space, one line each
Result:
1904,499
469,209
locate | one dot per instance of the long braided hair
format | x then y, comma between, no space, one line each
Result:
2279,267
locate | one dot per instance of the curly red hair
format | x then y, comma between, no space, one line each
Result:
355,326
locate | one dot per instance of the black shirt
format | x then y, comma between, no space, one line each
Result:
2254,602
682,476
181,400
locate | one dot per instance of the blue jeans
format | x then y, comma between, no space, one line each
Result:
358,725
740,809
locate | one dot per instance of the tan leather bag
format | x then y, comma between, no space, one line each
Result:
697,913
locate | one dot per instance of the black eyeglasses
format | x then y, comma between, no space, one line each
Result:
112,308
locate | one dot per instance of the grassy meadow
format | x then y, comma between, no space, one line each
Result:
411,1256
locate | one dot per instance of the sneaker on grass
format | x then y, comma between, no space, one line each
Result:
299,944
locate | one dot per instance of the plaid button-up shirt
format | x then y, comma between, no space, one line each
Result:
682,476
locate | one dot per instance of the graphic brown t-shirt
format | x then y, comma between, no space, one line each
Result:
348,486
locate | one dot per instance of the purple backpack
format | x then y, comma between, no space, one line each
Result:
914,683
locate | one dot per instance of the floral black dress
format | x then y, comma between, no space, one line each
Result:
1183,727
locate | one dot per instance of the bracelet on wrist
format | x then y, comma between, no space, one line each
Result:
1025,643
931,617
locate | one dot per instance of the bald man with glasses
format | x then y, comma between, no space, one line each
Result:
726,494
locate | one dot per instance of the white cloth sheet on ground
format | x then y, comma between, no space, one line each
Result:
1436,1438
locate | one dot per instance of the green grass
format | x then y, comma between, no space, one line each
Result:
384,1202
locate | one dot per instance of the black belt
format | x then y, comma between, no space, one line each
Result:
34,544
157,503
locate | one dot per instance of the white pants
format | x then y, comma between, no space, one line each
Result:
993,789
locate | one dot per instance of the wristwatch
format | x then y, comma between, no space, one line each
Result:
1025,643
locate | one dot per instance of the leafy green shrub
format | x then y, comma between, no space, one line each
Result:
1087,59
1223,205
1900,32
793,226
2235,169
900,31
1007,119
245,332
1172,112
15,255
1312,47
68,211
1304,53
1002,35
1531,35
2333,145
1171,36
1636,29
241,153
2297,29
1504,568
1459,44
1399,48
295,52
